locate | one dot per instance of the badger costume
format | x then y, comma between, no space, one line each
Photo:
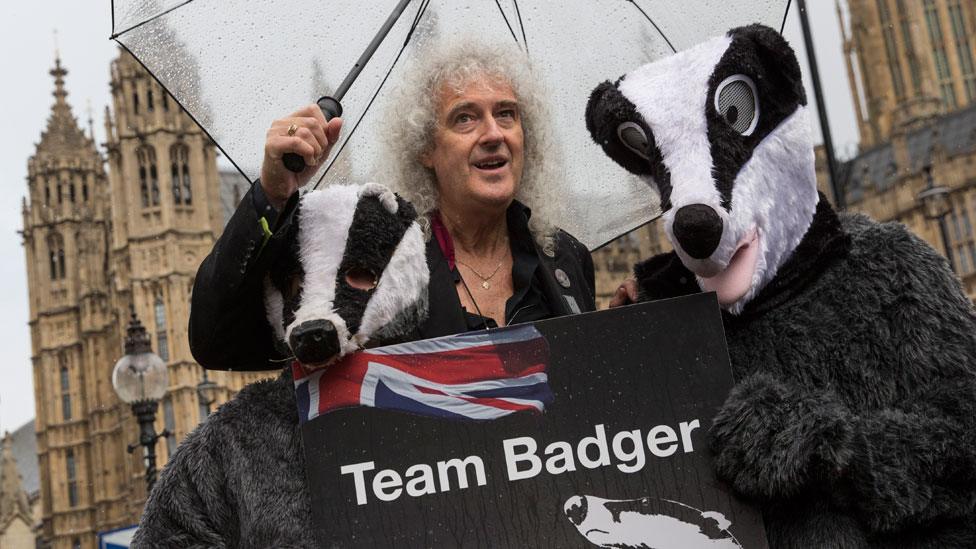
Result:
344,267
853,419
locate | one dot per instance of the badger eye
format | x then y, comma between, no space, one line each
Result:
737,102
633,137
361,279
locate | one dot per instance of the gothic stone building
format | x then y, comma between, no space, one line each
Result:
98,242
912,68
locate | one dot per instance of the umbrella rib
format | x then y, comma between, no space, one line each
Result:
657,28
416,22
509,25
785,14
151,19
525,40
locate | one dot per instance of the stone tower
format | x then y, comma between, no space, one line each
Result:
166,214
74,340
97,243
909,61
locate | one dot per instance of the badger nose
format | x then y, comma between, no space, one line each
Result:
698,230
314,341
575,509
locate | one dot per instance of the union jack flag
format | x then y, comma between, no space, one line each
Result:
477,375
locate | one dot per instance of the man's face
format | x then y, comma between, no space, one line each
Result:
478,151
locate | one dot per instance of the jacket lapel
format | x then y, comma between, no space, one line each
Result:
551,288
444,308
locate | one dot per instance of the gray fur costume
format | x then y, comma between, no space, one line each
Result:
238,480
853,420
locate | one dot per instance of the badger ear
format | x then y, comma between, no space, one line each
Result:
385,195
782,71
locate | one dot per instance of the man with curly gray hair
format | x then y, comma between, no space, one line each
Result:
466,143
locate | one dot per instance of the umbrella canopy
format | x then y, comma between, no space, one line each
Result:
236,65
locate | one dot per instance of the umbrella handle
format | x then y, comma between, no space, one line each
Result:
331,108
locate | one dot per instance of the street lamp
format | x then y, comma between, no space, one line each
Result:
936,206
140,379
207,392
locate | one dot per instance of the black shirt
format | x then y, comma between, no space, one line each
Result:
528,301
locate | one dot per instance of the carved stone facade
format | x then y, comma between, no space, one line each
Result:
913,78
98,242
908,61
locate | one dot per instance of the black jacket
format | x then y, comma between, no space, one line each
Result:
228,325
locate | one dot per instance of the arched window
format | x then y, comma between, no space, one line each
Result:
65,387
84,192
148,176
72,470
150,106
71,192
162,337
55,246
135,101
179,156
60,193
165,101
143,178
47,193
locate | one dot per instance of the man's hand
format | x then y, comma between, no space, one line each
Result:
625,295
311,138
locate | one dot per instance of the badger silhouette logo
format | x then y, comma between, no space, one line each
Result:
648,523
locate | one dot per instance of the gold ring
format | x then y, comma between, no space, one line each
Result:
292,129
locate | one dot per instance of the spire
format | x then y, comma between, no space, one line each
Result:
13,499
63,136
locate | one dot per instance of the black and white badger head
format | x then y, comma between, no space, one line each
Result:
721,130
354,271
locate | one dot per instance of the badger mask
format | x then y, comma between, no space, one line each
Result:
354,271
721,131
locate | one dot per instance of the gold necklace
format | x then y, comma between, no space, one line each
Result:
484,279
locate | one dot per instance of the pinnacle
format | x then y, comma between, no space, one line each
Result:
63,136
13,499
59,72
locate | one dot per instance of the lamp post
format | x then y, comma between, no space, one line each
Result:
140,379
936,205
206,392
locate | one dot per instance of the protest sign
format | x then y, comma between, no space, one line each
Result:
580,431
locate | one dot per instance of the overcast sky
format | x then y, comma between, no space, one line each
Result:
28,45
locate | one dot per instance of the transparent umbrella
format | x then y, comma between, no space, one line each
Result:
236,65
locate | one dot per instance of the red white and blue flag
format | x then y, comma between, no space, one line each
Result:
477,375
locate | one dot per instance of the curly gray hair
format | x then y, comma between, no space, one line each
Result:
413,121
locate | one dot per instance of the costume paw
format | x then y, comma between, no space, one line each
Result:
386,196
770,439
898,458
